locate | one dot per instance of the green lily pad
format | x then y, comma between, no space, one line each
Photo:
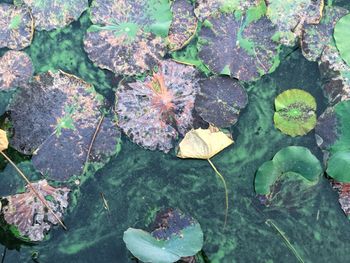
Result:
184,24
51,14
178,236
295,112
333,128
291,16
206,8
123,50
16,27
338,166
342,37
220,101
155,111
296,159
316,37
56,116
16,69
238,45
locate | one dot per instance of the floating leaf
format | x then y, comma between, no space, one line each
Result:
342,37
296,159
295,112
3,141
183,26
220,100
16,27
316,37
56,116
338,166
51,14
343,190
177,236
240,46
27,213
16,69
291,16
155,111
128,53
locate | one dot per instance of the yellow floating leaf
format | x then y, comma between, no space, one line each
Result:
4,143
203,143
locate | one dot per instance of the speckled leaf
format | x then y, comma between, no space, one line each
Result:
27,213
16,69
51,14
291,16
16,27
206,8
183,26
295,112
316,37
56,116
238,46
113,49
220,100
155,111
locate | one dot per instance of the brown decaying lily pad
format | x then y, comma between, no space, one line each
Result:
316,37
122,55
155,111
183,26
29,215
16,69
51,14
16,27
56,116
326,129
343,190
239,48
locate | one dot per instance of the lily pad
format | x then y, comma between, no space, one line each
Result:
240,46
295,112
291,16
55,117
333,128
342,37
316,37
122,51
29,215
296,159
16,27
338,166
51,14
155,111
16,69
183,26
343,190
206,8
220,101
177,235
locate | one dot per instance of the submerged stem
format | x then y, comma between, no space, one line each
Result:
289,245
33,189
225,186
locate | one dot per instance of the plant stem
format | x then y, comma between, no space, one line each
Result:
33,189
225,186
289,245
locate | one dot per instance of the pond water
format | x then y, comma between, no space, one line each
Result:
137,183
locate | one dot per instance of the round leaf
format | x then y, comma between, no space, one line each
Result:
338,167
342,37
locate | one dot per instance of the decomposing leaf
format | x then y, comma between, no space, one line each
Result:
239,45
295,112
16,27
155,111
343,190
315,37
4,143
16,69
55,116
291,16
184,24
27,213
51,14
220,101
342,38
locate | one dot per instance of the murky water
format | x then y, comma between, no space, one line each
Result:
137,183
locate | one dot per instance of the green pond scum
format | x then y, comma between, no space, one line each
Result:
293,216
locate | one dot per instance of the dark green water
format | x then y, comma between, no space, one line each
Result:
137,183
